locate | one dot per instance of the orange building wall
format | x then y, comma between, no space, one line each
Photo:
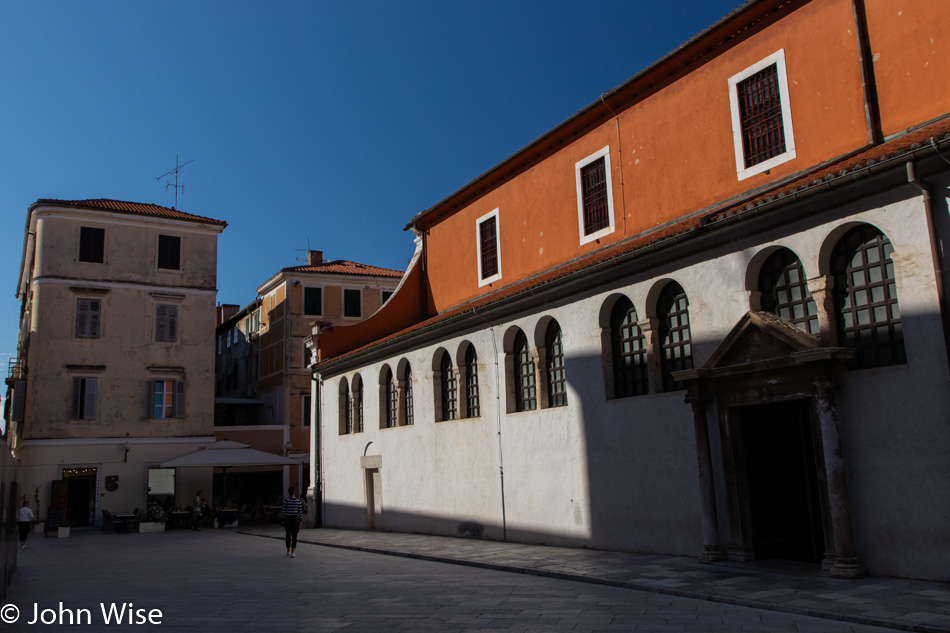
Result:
910,46
677,155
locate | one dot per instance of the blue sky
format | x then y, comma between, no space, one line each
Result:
335,122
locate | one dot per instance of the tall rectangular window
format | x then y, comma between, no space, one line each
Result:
87,318
169,252
92,243
595,210
306,410
84,398
352,302
761,118
166,323
313,301
489,256
168,399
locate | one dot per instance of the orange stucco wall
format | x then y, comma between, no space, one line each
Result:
671,153
910,46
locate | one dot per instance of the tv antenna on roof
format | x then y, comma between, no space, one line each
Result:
305,260
177,172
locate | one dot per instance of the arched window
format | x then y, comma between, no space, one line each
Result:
629,351
865,297
407,394
785,292
449,388
526,392
346,413
357,404
471,382
676,346
554,361
390,400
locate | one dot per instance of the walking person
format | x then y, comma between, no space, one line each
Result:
24,521
196,504
291,512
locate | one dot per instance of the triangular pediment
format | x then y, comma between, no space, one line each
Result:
760,337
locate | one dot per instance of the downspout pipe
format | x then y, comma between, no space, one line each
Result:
936,250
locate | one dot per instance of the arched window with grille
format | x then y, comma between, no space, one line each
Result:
389,399
676,351
628,351
785,291
346,414
554,365
473,408
407,394
526,388
867,313
357,404
448,386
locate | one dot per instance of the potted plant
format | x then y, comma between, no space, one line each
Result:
154,520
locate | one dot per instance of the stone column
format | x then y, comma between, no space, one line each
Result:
711,548
820,289
846,561
651,334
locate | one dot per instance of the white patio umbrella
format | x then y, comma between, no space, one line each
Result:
224,454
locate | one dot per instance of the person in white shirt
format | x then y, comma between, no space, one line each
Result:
25,520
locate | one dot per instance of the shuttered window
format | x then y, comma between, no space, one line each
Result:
84,398
87,318
166,323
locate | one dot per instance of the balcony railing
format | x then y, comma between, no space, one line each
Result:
17,369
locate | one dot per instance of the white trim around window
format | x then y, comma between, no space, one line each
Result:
490,216
607,230
778,59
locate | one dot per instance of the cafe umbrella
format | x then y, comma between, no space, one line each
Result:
226,453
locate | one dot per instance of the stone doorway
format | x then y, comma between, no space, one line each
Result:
781,483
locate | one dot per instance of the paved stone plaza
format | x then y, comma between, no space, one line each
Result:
219,580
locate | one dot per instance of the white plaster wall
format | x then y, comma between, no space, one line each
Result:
622,473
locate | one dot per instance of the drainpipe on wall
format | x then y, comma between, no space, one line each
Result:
936,250
501,459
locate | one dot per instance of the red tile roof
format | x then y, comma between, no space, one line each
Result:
345,267
134,208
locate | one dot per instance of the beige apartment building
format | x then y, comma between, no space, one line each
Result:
262,386
114,371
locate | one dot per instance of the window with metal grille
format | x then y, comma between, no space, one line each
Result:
628,351
87,318
526,393
84,398
554,359
865,298
785,291
168,399
594,194
760,112
392,400
407,395
471,382
345,412
92,244
488,245
449,389
166,323
169,252
676,348
358,404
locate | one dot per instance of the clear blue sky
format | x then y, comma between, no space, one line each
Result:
333,121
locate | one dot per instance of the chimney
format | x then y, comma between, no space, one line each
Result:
314,258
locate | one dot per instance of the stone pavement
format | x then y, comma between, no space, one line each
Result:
911,605
223,581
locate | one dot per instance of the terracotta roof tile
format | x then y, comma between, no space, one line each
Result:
345,267
134,208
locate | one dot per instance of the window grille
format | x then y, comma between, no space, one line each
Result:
594,194
471,382
526,393
449,389
760,113
557,379
676,352
629,351
488,238
407,391
865,293
392,409
358,397
785,292
346,413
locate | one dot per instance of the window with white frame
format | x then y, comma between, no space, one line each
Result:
87,318
488,252
761,116
168,399
166,323
595,206
84,398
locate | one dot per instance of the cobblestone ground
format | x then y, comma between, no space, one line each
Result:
218,580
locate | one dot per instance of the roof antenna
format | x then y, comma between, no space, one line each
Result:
305,260
177,172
